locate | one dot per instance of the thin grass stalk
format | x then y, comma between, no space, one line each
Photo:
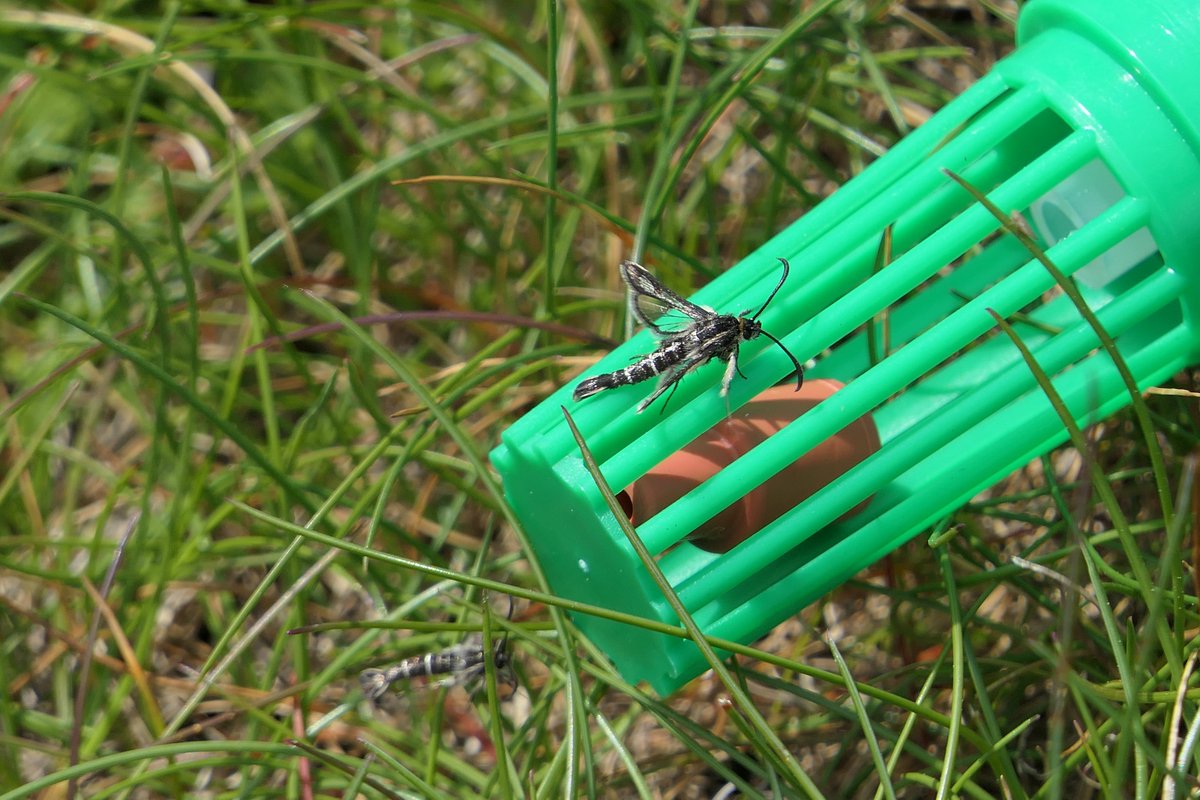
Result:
864,723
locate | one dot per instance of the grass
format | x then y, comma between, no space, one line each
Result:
277,277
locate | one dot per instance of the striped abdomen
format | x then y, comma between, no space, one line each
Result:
648,366
464,660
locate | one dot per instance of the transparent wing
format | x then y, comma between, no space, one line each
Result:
656,306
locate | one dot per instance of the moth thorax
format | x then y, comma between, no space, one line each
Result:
748,328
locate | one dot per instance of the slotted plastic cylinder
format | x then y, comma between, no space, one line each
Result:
1090,130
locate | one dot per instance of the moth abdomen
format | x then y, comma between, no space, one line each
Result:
463,662
645,368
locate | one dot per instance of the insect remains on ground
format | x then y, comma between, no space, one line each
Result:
463,664
706,336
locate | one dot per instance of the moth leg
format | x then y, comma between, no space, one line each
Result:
508,676
662,387
731,367
445,683
663,408
668,379
735,364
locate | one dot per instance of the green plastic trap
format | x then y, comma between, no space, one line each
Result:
1091,129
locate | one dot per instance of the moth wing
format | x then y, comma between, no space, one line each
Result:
650,302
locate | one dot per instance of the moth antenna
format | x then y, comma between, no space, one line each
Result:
799,369
786,268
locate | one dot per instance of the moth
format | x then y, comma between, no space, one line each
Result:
706,336
464,663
